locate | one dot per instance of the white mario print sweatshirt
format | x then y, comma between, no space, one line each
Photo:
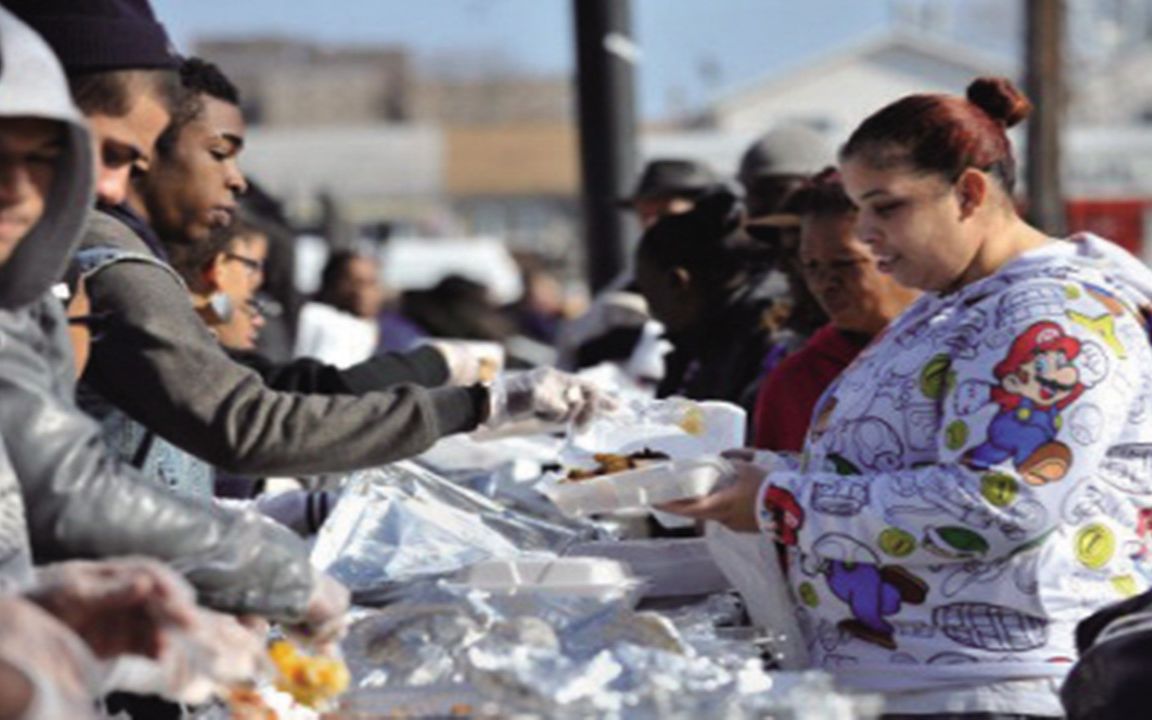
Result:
975,483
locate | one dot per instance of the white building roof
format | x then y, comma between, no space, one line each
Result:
838,91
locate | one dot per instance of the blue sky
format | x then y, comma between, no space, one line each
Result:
692,49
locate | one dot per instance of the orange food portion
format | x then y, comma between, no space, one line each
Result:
247,704
609,463
692,422
311,680
489,369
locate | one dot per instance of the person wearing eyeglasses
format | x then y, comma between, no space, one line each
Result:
840,271
221,284
241,273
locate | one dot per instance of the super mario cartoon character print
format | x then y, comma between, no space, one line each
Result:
1036,380
779,509
1010,505
871,590
994,419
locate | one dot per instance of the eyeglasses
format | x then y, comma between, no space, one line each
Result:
255,307
264,306
254,266
835,268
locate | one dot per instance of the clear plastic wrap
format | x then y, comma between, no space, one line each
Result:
401,524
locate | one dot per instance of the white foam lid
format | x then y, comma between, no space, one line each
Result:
545,573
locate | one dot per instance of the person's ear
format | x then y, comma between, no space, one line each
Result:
972,191
212,272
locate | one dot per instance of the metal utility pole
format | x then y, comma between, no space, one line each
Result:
605,55
1045,86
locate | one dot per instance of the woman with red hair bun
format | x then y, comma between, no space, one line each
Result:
970,487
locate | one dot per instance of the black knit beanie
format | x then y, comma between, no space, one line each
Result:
99,35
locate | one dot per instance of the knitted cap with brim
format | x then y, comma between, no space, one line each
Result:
90,36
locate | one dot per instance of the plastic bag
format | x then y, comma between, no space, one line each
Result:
750,563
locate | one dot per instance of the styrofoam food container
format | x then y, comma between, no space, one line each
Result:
669,567
636,489
588,576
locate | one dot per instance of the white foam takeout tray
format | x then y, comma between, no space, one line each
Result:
637,489
574,576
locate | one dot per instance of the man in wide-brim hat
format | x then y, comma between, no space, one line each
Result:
667,187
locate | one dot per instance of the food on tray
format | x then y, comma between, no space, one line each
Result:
693,421
611,463
310,679
246,703
489,369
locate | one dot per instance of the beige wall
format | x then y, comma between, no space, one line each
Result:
512,159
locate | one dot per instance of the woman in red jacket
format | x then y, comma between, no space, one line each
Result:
841,273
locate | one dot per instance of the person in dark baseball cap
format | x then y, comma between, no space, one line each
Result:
121,70
668,186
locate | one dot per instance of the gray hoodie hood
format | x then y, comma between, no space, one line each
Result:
32,84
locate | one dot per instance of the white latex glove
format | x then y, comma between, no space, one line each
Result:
125,605
544,394
470,362
197,664
325,618
44,663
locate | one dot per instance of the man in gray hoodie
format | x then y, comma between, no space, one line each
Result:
79,501
159,364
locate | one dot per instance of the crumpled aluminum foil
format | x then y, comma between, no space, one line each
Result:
402,523
555,656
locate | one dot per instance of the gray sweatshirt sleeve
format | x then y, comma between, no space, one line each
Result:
157,362
81,502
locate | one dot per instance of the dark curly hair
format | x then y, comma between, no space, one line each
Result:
198,79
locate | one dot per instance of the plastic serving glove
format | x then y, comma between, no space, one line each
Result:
124,605
62,673
544,394
215,654
324,621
